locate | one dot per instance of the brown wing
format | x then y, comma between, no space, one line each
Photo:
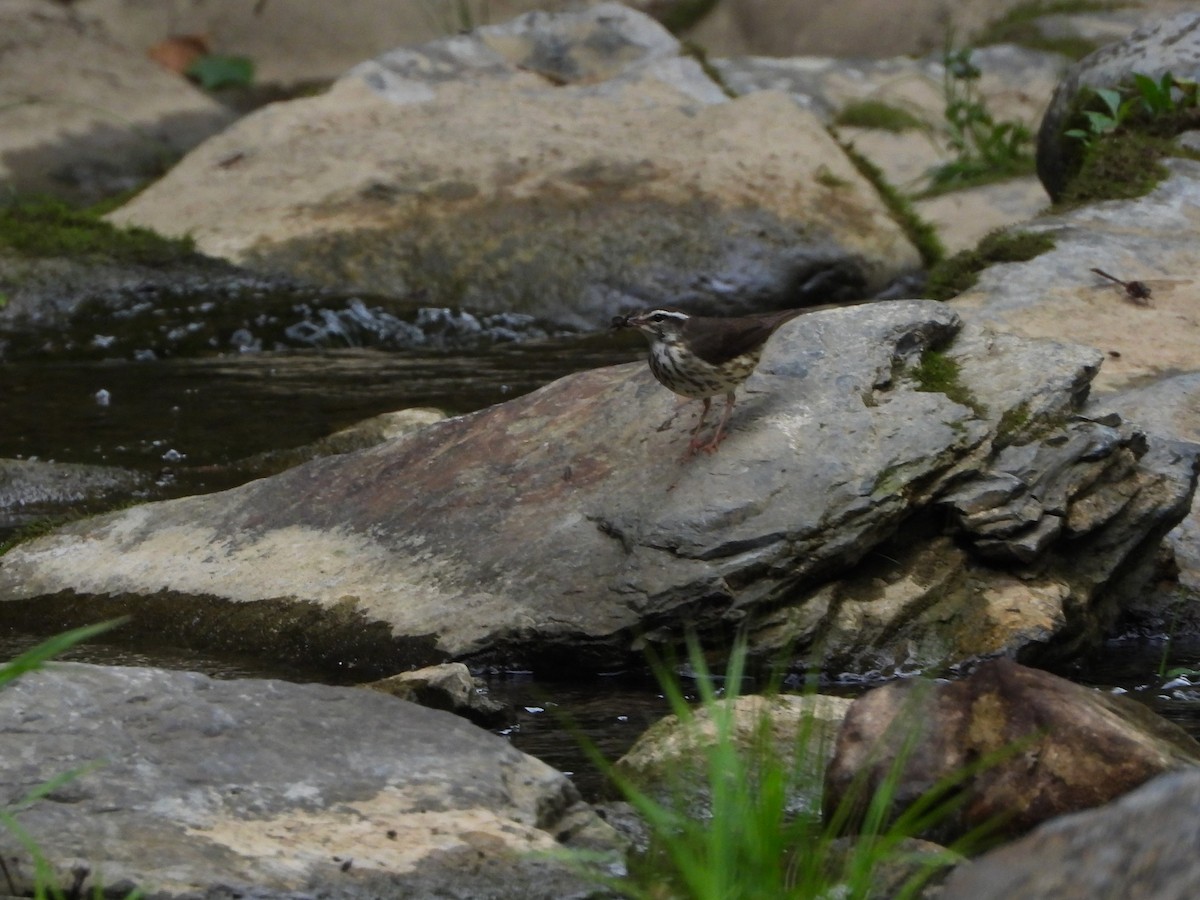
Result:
716,340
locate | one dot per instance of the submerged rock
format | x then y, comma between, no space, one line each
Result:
845,518
449,687
265,789
669,762
33,489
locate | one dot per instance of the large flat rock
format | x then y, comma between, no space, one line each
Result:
564,526
194,787
551,165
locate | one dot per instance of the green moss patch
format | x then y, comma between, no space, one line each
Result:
1013,423
1112,152
1019,26
877,114
45,227
961,271
923,235
941,374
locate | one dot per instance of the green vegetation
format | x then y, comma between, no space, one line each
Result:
214,71
960,272
1019,26
680,16
826,177
984,149
758,841
700,55
1153,103
939,373
1120,137
44,226
1012,425
921,233
877,114
30,660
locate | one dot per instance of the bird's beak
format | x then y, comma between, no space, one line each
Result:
621,322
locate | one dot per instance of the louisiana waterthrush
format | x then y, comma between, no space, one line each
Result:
700,357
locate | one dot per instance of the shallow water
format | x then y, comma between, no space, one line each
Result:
553,720
184,420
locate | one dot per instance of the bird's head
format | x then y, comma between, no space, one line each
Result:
659,324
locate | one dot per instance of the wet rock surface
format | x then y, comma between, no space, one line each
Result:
64,309
31,489
563,528
449,687
270,789
669,760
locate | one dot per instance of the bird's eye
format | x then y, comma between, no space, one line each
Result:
658,317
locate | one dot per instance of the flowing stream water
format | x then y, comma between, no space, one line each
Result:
186,421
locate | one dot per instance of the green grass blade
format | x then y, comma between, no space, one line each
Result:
35,657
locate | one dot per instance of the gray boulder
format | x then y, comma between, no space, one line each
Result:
1143,845
1167,45
265,789
450,687
552,165
846,517
1152,348
1170,408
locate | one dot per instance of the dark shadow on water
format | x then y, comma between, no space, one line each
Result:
184,420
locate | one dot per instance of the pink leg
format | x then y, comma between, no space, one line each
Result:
719,436
695,442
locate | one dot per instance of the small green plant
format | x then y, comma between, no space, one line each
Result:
214,71
984,149
1145,99
1101,122
758,842
1119,137
1158,97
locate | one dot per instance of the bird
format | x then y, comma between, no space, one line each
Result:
700,357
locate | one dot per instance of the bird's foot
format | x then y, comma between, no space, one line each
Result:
696,445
